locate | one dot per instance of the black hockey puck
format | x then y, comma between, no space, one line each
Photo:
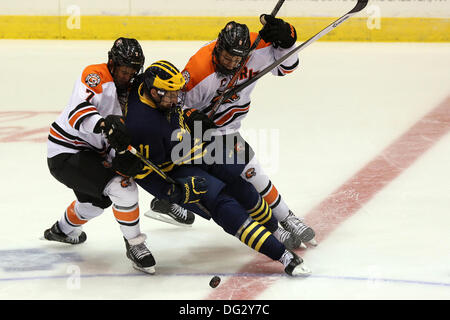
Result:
214,281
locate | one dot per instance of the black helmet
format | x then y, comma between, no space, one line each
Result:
127,52
235,39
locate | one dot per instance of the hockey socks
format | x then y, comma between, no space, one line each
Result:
232,217
260,239
76,215
257,208
128,219
71,219
263,215
254,173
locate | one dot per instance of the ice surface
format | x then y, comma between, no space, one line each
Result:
344,106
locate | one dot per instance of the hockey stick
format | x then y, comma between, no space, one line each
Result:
160,172
230,84
151,164
358,7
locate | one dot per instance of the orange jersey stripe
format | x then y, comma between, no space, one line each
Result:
57,135
284,71
75,117
229,115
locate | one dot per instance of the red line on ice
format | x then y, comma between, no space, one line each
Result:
14,129
347,199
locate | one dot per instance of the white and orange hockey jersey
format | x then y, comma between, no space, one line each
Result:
204,85
94,97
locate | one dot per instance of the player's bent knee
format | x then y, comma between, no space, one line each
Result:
122,192
88,210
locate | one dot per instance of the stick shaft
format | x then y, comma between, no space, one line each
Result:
359,6
161,173
151,164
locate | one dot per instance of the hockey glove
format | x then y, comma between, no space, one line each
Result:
127,164
187,190
116,132
192,115
278,32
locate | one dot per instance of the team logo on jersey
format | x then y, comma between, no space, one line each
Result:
239,147
250,173
186,76
92,80
125,182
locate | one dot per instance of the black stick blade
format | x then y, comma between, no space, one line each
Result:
359,6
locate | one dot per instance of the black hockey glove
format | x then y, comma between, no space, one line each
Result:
187,190
277,31
192,115
127,164
116,132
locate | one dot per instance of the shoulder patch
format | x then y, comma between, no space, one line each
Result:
92,80
94,76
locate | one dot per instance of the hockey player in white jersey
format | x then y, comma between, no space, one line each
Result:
208,73
79,145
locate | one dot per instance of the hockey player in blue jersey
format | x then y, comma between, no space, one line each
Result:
156,126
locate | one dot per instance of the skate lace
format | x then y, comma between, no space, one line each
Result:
283,234
286,258
179,211
74,236
140,250
294,223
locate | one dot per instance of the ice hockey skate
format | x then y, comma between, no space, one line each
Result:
296,267
290,241
139,254
55,234
296,226
165,211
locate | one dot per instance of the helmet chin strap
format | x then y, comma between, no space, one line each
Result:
120,89
158,104
221,69
110,65
160,95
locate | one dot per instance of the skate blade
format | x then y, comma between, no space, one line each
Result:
312,242
301,271
165,218
149,270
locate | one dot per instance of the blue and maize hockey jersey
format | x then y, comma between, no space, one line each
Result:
156,134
